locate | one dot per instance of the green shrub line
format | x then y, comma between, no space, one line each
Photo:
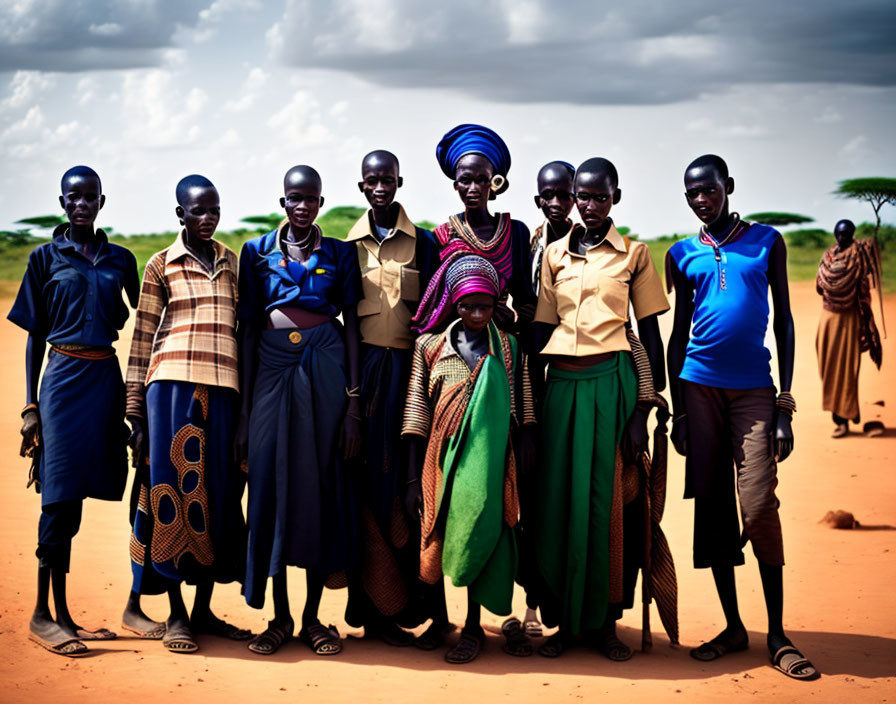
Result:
805,246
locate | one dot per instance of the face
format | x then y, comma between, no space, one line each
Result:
81,200
595,196
844,231
380,181
302,203
200,213
707,193
555,198
475,311
473,180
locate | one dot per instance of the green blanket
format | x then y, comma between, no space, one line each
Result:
479,549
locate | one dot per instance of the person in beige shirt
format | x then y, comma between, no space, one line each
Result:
396,259
589,280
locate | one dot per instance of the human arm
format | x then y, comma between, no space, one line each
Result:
416,427
650,370
250,314
524,298
784,342
150,308
34,358
677,349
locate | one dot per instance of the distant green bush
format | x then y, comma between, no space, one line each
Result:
809,237
886,236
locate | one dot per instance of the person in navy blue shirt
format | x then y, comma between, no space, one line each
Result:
71,298
300,386
726,414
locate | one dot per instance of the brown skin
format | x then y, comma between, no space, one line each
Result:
707,192
844,233
555,198
379,182
81,199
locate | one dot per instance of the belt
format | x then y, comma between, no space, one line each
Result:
84,351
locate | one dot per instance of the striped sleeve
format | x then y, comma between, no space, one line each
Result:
153,298
417,411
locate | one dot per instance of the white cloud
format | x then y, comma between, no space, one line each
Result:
25,87
250,91
298,124
158,112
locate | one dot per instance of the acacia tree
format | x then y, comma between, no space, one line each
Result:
877,191
775,219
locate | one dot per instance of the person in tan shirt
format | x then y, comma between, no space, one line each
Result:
589,280
396,259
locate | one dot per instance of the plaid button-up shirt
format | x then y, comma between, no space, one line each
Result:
185,323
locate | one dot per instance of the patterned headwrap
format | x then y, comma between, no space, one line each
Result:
472,139
466,275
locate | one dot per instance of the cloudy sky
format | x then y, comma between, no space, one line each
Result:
795,95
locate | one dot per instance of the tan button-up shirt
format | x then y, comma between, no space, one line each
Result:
389,277
587,295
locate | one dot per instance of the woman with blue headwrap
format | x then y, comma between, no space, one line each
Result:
477,160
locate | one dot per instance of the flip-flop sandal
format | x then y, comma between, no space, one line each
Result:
554,646
611,647
218,627
70,647
433,637
467,648
533,629
98,634
517,642
275,635
794,664
841,431
715,649
323,640
157,632
179,639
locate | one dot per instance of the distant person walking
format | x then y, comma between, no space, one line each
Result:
846,327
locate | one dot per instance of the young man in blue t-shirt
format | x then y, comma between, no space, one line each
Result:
725,409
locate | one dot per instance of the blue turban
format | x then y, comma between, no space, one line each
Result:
472,139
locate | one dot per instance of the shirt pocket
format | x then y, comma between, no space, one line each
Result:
613,296
410,284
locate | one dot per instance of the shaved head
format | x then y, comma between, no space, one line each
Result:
79,173
710,161
188,187
302,175
555,170
598,168
378,159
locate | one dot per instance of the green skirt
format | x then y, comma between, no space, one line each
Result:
584,415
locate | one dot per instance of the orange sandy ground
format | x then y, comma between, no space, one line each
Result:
840,602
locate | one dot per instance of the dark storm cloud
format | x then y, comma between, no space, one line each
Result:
53,35
591,51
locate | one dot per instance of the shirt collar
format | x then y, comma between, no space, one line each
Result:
179,249
282,231
612,238
365,226
62,241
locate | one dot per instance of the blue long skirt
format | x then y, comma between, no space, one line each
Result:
300,504
83,434
188,510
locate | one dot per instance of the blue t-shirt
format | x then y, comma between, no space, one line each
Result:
67,299
727,344
328,283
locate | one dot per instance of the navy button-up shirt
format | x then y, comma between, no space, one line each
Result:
67,299
328,283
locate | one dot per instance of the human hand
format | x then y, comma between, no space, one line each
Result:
783,436
137,443
636,431
30,430
413,501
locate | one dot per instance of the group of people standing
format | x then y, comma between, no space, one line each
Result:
474,414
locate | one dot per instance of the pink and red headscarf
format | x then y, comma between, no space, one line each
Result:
466,275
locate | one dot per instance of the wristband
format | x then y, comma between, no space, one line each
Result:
30,407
